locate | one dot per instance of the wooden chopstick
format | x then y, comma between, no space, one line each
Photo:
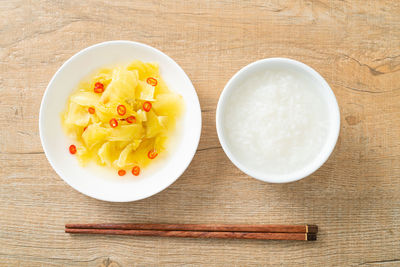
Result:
202,227
264,232
198,234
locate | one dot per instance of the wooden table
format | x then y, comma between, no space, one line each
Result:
354,197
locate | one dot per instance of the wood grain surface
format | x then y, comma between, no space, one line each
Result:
354,198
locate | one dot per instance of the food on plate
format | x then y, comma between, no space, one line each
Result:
122,117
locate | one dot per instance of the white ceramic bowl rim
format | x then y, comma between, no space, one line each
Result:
326,150
189,152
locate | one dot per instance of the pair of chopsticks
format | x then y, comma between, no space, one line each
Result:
261,232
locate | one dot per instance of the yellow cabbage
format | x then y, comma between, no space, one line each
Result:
128,144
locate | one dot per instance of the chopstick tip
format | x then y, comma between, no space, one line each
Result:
311,228
311,237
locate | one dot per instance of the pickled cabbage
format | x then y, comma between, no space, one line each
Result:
122,131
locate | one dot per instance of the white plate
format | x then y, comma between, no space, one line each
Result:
99,182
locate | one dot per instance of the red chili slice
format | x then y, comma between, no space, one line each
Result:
113,123
121,109
152,81
91,110
121,172
136,170
146,106
84,129
98,88
72,149
131,119
152,154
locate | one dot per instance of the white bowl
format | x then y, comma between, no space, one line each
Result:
99,182
328,98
